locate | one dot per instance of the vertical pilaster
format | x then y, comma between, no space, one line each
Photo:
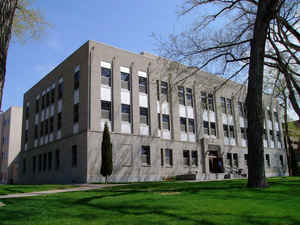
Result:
116,95
152,99
135,100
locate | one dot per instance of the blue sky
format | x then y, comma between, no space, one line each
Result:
124,24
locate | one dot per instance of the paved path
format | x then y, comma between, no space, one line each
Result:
38,193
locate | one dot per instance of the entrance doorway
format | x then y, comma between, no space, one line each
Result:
215,162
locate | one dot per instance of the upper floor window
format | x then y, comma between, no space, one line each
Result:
106,76
242,109
229,106
244,133
59,121
223,104
53,95
231,130
60,90
125,111
125,81
27,112
157,90
76,113
144,115
36,135
47,99
207,101
191,125
37,105
43,102
183,124
51,124
181,95
143,86
106,110
159,121
269,114
211,102
76,79
164,90
226,130
166,122
189,97
276,117
265,135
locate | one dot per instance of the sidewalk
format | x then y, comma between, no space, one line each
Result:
85,187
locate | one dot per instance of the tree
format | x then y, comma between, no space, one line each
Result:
246,25
17,18
106,150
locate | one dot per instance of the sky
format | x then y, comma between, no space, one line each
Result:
124,24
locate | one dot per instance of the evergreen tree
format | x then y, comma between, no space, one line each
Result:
106,150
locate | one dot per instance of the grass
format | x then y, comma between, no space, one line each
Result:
207,203
15,189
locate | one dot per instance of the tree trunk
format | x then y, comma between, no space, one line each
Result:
256,173
286,138
7,12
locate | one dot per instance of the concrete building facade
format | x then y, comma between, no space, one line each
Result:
161,124
10,144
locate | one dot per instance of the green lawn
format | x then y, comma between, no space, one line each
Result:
206,203
14,189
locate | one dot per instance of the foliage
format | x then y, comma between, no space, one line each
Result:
28,23
208,203
106,150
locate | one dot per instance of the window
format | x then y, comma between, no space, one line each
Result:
143,86
244,133
223,104
236,159
272,135
189,97
278,135
213,130
246,159
125,112
281,160
206,128
144,115
36,135
51,124
76,113
269,113
26,136
24,165
191,125
211,102
47,99
166,122
226,131
164,90
57,159
268,160
145,154
74,156
43,102
229,159
125,81
40,163
76,80
49,160
181,95
158,120
106,110
53,95
27,112
60,90
276,117
194,158
42,129
242,109
33,164
183,124
157,89
59,121
186,157
231,130
46,127
37,105
162,157
169,157
204,100
106,76
265,135
229,106
45,162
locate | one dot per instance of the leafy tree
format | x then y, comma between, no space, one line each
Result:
238,47
17,17
106,150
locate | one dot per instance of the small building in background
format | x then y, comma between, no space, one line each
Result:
10,143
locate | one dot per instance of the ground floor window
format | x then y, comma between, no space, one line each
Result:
145,155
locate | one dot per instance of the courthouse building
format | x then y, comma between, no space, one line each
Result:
161,124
